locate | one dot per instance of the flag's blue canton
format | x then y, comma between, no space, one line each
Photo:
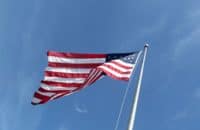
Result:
126,57
130,58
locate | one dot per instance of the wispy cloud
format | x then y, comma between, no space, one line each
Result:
14,107
16,111
62,127
187,43
180,115
191,110
155,27
190,30
32,22
197,93
194,14
81,108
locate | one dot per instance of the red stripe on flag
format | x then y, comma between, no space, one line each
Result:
68,65
53,91
96,77
121,65
60,95
51,83
65,75
75,55
115,69
116,77
42,97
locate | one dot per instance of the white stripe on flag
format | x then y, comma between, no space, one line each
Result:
91,76
64,80
68,70
36,100
123,63
99,72
75,60
118,67
56,88
57,95
49,94
114,72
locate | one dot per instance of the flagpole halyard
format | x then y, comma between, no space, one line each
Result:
137,92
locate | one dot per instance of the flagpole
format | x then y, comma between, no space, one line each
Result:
137,92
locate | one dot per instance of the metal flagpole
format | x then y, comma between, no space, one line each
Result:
137,92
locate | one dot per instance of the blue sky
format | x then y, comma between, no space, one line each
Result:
170,95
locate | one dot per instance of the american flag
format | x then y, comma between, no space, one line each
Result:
70,72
